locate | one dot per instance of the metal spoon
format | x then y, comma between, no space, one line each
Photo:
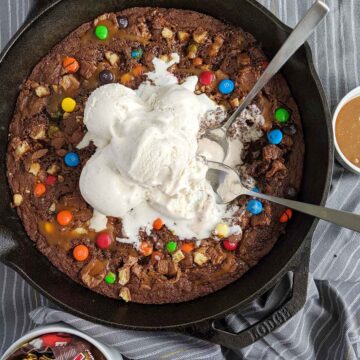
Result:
227,185
301,32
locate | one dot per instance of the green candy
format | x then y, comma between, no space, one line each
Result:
171,246
110,278
101,32
282,115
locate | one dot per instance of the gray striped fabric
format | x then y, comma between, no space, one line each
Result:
328,326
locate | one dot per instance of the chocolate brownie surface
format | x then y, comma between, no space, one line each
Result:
41,134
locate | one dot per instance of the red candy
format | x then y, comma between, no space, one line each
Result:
230,245
103,240
286,216
50,180
206,77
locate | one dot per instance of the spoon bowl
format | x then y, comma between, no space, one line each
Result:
227,185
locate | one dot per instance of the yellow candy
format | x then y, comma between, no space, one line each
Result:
49,227
68,104
222,230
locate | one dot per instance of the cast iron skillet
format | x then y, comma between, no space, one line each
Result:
47,26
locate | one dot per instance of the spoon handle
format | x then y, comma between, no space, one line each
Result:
342,218
298,36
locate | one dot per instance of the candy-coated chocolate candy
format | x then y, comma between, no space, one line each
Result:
226,86
282,115
275,136
206,77
137,53
286,216
71,65
64,217
146,249
81,252
106,77
156,256
50,180
255,189
197,61
110,278
101,32
255,207
39,190
222,230
158,224
122,22
103,240
68,104
187,247
72,159
289,129
138,70
230,245
171,246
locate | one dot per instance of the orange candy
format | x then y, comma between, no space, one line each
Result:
187,247
145,248
39,190
138,70
126,78
64,217
286,216
158,224
70,64
197,61
80,252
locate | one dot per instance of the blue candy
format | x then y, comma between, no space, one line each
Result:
72,159
254,207
137,53
275,136
255,189
226,86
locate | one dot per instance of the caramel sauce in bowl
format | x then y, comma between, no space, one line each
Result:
346,128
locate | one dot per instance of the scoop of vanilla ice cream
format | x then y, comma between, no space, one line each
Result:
102,187
146,163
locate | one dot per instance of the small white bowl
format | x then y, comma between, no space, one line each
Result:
338,153
110,354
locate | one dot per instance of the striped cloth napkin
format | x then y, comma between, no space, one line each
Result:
328,326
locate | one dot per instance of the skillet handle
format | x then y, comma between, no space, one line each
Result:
235,341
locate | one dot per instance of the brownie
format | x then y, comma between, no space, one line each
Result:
41,134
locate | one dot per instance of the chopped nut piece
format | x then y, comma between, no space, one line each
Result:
79,230
178,256
183,36
112,58
34,169
17,199
124,275
235,102
200,259
55,88
165,58
167,33
163,267
200,35
125,294
131,260
42,91
68,82
38,133
38,154
21,149
52,208
53,169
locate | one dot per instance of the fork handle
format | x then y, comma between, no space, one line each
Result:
298,36
342,218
